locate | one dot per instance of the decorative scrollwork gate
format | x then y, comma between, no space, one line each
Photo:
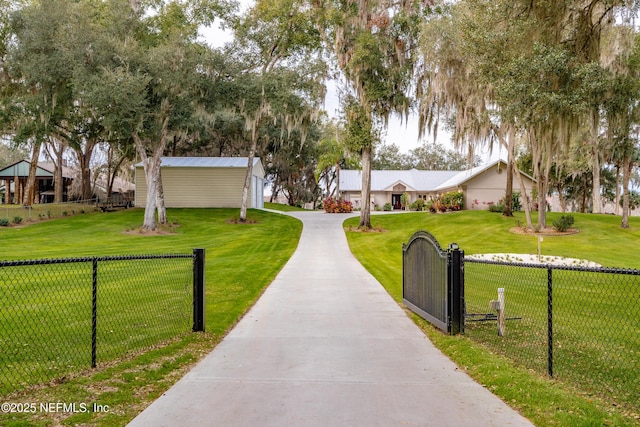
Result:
433,281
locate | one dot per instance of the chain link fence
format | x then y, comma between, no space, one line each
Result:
579,325
61,316
16,214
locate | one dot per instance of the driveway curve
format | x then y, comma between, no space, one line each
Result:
326,345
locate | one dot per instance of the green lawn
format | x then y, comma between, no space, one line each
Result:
128,385
592,320
236,275
282,208
19,214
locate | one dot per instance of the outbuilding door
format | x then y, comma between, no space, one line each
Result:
257,193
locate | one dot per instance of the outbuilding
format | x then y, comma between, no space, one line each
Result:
204,182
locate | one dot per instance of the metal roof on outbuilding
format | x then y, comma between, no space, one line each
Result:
206,162
212,163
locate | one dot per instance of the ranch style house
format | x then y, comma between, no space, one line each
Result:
482,185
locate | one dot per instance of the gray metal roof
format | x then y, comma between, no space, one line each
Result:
21,169
417,180
206,162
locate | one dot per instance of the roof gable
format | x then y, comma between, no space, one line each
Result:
21,169
385,180
465,176
415,180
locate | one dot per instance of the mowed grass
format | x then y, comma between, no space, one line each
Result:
596,327
241,260
595,318
282,208
46,314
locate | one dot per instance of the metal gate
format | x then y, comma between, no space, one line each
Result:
433,281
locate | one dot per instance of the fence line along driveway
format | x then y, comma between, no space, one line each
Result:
326,346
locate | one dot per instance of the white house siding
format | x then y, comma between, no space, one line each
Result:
489,187
486,188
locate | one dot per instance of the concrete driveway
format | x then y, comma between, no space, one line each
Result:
326,345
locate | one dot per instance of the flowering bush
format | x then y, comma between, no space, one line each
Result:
453,200
332,205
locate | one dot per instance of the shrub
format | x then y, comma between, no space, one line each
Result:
332,205
387,207
634,200
516,204
429,206
4,222
418,205
452,200
496,207
563,223
404,199
17,220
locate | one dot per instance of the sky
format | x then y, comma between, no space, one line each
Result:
403,134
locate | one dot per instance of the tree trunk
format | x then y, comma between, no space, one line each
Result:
151,172
29,192
508,193
365,211
595,192
248,177
542,203
584,197
84,158
626,176
160,206
149,222
57,147
58,181
543,189
112,172
616,209
563,203
525,197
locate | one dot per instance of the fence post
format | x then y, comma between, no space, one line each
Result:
456,289
550,319
502,327
198,290
94,314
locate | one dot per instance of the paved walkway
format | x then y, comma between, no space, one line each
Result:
326,346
